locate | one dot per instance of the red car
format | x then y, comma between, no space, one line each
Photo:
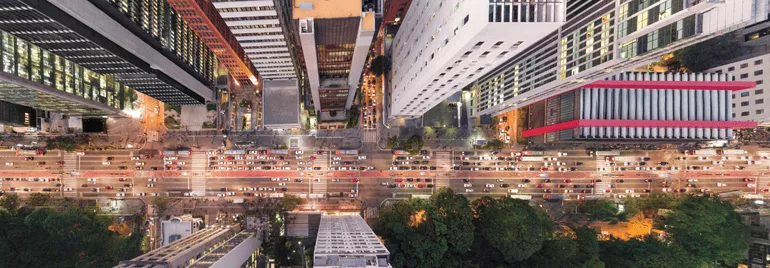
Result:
543,169
401,185
420,185
121,179
747,180
567,180
108,187
538,186
353,180
399,180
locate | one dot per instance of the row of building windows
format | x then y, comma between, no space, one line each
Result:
248,18
588,46
245,9
254,26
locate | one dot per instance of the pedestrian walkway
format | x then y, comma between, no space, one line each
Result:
71,162
198,185
198,161
370,213
441,182
319,187
443,160
370,136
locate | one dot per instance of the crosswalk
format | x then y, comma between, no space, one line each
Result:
441,182
443,160
370,135
71,162
198,185
319,187
198,161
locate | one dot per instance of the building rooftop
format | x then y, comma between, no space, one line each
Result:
326,9
220,252
347,241
281,103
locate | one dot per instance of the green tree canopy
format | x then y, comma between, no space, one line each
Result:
38,199
603,210
380,65
10,202
648,252
709,229
291,202
456,214
507,231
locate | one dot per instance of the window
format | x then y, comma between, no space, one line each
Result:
478,44
744,65
731,69
745,94
758,91
746,113
465,20
760,111
744,103
758,72
744,76
733,105
485,53
757,62
759,101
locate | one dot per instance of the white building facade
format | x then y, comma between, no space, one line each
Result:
347,241
751,104
256,25
442,46
610,37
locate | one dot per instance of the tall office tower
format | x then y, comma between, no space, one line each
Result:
442,46
259,30
143,45
641,106
347,241
335,37
611,36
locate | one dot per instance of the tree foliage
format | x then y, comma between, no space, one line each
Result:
709,229
63,143
642,253
392,142
10,202
708,54
44,237
582,250
161,205
291,202
38,199
602,210
380,65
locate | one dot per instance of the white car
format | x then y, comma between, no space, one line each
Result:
150,185
426,157
552,158
561,169
754,162
628,164
140,163
410,185
171,162
91,179
725,158
336,158
155,194
210,152
286,168
717,162
567,191
489,186
169,158
719,184
361,157
152,180
745,157
106,163
275,179
602,169
120,194
9,163
336,163
134,158
561,154
751,185
561,163
80,153
513,190
500,180
468,190
467,185
68,189
675,168
692,180
520,185
702,158
231,193
281,184
181,163
140,194
628,191
220,195
621,196
707,168
299,152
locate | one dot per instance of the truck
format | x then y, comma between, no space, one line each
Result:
347,152
704,152
530,158
184,153
278,151
732,152
168,153
622,158
238,201
521,196
555,197
235,151
531,153
29,152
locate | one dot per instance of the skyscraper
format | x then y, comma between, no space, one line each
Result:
442,46
334,37
143,45
607,38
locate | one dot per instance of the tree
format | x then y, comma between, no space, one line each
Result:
380,65
507,231
10,202
38,199
642,253
411,235
457,216
709,229
393,142
291,202
602,210
161,205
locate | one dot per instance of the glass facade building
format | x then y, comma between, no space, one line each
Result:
90,93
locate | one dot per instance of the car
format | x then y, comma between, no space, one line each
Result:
140,163
520,185
747,180
467,185
9,163
739,167
716,162
353,180
150,185
628,191
719,184
120,194
410,185
489,185
744,157
561,154
92,190
106,163
692,180
754,162
504,185
181,163
675,168
152,180
702,158
468,190
620,181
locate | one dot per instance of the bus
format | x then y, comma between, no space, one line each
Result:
705,152
29,152
278,151
732,152
521,196
400,152
530,158
347,152
605,153
531,153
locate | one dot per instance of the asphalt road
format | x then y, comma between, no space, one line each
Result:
88,176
